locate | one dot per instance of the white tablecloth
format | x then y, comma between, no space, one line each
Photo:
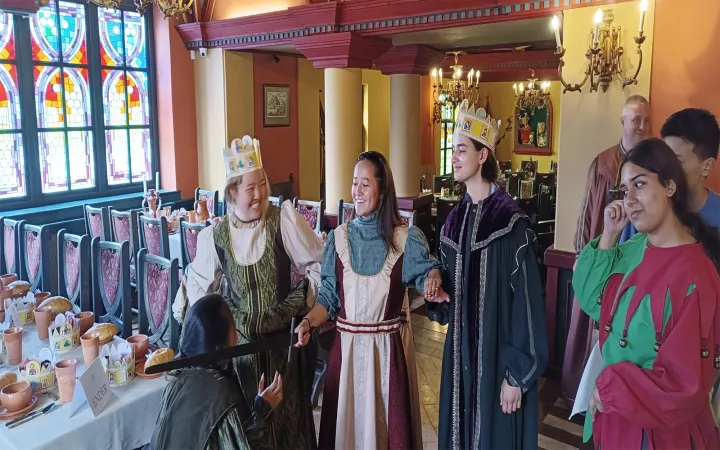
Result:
175,247
127,422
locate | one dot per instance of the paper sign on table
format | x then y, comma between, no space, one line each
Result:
94,387
587,383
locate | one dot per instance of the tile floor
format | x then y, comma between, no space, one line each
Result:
556,432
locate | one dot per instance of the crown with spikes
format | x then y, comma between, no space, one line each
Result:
242,157
477,125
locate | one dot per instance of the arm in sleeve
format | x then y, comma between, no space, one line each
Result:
586,228
233,432
592,271
524,351
440,312
674,390
417,260
204,274
303,246
328,296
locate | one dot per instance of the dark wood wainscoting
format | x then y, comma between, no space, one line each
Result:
558,304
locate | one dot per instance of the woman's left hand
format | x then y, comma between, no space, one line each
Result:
595,403
432,284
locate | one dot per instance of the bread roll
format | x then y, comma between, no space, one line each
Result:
19,288
160,356
105,331
58,305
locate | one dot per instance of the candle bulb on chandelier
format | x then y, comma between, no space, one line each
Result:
477,77
556,28
433,75
470,77
643,10
598,19
522,88
440,75
515,88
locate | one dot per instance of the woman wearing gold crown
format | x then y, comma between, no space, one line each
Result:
252,249
496,346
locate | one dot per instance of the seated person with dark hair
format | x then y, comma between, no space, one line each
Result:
203,408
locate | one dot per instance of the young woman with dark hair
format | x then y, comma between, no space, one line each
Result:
371,399
656,299
204,408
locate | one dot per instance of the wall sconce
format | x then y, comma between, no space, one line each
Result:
605,54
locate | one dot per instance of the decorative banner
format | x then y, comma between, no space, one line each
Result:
93,387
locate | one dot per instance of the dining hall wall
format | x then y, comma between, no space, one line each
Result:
685,65
590,121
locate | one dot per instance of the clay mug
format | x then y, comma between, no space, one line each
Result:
6,379
7,279
16,396
5,293
13,345
192,216
43,318
90,343
140,344
65,371
40,297
86,319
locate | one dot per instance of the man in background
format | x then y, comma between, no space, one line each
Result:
601,189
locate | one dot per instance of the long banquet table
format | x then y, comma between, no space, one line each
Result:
127,422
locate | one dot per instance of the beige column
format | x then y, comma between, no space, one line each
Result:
405,90
343,133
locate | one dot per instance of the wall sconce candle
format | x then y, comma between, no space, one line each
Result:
556,28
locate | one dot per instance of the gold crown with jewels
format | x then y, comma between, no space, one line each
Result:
242,157
477,125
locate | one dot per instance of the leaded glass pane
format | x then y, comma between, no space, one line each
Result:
48,97
82,170
72,32
140,154
45,35
12,166
117,156
114,99
9,98
53,161
7,38
139,113
111,37
135,40
77,103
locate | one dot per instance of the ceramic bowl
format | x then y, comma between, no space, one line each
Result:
16,396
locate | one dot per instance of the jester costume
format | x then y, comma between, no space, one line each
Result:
658,314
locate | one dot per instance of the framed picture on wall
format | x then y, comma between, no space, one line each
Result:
533,130
276,106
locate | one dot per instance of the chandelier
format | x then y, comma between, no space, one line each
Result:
605,54
170,8
449,92
535,96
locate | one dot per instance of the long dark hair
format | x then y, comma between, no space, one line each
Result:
207,326
656,156
388,212
490,169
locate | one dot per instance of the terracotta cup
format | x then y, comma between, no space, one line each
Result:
65,371
140,344
13,345
43,318
6,379
40,297
90,347
7,279
86,320
192,216
16,396
5,293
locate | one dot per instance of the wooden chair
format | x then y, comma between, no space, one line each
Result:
311,212
11,245
154,235
211,197
111,280
35,256
277,201
74,269
97,222
346,212
157,286
188,238
409,217
124,227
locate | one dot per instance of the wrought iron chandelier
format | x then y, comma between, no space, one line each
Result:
170,8
535,96
605,53
449,92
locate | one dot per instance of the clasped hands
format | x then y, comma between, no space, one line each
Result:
432,290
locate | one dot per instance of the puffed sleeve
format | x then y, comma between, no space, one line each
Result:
417,260
303,246
328,297
205,272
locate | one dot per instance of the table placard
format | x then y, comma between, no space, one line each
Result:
93,387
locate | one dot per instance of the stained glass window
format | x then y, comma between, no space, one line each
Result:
111,37
12,166
72,32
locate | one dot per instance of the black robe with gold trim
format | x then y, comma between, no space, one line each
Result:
496,330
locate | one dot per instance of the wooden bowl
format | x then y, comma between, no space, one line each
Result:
16,396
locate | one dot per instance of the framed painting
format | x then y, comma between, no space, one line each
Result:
533,130
276,106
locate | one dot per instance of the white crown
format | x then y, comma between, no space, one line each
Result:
242,157
477,125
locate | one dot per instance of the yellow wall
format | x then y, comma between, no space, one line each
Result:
310,84
590,122
378,111
227,9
